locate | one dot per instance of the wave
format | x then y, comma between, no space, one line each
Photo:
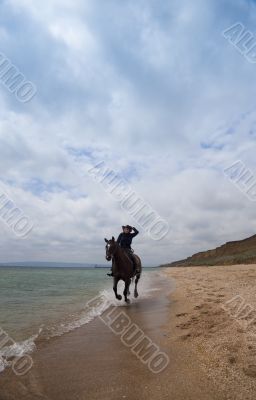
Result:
8,353
93,308
100,303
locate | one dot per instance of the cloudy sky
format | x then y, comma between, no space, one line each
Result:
151,88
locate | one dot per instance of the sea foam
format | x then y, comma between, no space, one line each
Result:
147,286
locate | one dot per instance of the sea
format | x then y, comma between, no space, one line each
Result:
41,303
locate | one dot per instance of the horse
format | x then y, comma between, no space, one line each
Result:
122,267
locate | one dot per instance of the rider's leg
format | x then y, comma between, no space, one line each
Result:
130,254
134,261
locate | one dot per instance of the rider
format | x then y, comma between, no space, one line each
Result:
125,240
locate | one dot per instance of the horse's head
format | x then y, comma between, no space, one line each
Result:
110,248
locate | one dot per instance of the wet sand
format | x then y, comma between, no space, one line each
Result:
92,362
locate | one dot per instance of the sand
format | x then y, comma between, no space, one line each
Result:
209,341
215,315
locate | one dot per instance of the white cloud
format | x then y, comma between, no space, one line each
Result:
153,89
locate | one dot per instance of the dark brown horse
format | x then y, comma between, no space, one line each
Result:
122,267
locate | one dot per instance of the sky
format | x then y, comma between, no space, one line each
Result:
151,88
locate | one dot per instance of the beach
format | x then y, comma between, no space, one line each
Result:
190,316
214,314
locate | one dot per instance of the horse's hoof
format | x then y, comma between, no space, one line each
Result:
119,297
136,294
127,301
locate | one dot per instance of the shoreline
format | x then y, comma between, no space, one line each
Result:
80,351
212,354
92,362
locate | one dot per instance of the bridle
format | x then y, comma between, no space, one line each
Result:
111,256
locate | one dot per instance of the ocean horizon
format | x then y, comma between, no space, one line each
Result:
52,264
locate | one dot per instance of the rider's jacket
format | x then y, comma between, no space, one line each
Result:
125,239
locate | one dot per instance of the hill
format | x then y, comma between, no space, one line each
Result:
236,252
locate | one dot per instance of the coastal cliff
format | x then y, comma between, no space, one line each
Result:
235,252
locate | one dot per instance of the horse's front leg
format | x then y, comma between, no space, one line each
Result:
126,290
136,294
118,296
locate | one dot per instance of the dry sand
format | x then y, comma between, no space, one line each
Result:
215,315
209,342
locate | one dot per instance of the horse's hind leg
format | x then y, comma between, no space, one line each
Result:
118,296
126,290
136,294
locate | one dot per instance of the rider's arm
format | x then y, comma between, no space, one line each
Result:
135,232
